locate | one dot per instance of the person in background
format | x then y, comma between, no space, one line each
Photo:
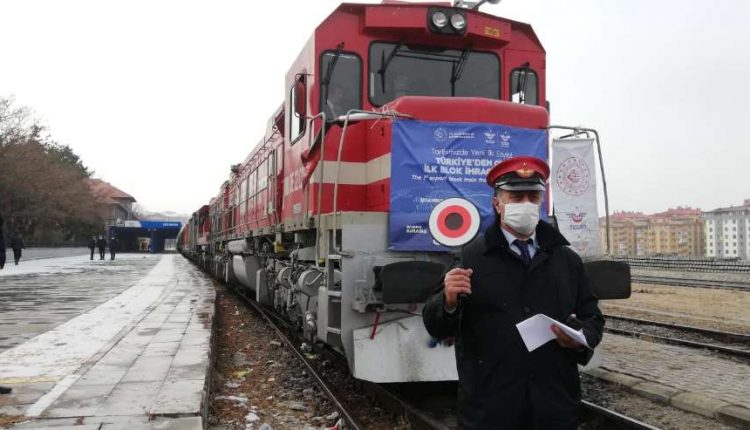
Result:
3,389
92,246
113,242
16,243
2,244
102,245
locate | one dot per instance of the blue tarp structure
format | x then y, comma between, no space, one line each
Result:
157,231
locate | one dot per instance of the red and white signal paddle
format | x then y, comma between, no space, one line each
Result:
454,222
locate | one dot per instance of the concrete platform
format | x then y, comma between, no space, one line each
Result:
140,360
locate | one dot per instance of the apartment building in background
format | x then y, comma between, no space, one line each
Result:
677,231
727,232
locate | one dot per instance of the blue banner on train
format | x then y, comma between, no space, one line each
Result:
433,161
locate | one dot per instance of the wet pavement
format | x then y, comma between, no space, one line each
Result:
38,295
138,360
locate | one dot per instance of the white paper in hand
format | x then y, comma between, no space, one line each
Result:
536,331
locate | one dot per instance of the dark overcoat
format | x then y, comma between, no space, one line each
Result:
16,243
2,244
501,384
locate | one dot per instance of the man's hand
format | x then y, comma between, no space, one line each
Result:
564,340
457,281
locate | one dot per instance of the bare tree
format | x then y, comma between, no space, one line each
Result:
42,190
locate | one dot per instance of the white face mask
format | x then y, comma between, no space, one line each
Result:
521,217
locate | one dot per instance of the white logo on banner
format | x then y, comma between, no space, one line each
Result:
440,134
489,136
573,176
505,140
574,194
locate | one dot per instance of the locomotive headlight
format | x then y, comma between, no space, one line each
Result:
439,19
446,21
457,21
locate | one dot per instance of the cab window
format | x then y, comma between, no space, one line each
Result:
524,86
397,69
340,83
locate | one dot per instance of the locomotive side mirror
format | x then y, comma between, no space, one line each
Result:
609,279
300,99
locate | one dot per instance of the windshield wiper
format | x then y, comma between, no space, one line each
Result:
458,70
329,70
521,83
385,62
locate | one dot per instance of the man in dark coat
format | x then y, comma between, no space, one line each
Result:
519,268
2,244
112,248
3,390
92,246
16,243
102,244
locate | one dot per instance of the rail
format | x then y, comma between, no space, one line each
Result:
696,283
734,344
690,264
271,320
613,419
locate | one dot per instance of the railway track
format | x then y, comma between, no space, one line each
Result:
594,416
425,406
699,283
733,344
282,331
688,264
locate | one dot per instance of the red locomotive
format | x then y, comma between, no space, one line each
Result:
303,221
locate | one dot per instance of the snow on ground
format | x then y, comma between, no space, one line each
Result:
60,265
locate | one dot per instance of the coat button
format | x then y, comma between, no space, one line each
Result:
526,310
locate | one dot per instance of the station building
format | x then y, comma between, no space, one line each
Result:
115,205
120,221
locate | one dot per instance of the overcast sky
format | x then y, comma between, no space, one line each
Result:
160,97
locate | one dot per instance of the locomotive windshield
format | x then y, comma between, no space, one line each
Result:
340,86
397,70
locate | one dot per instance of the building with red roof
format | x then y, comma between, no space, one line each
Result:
676,231
116,205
